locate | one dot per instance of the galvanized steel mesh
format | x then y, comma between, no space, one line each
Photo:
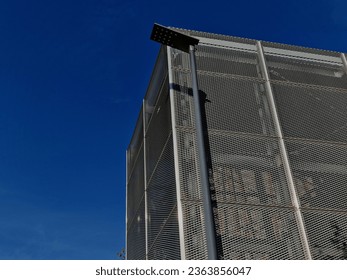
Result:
253,208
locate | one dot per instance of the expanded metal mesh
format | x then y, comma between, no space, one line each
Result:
248,170
312,113
327,234
136,235
158,131
306,72
135,187
320,174
135,144
167,244
258,233
194,234
227,61
161,193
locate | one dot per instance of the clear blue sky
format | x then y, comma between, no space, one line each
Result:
72,77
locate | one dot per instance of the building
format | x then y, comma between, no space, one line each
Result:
275,120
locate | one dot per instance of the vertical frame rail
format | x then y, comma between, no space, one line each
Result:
284,154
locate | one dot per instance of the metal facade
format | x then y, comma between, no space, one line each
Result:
275,121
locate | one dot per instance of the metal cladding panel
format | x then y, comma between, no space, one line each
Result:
158,130
227,61
312,113
136,235
260,233
306,71
248,170
167,244
136,187
162,197
327,233
320,174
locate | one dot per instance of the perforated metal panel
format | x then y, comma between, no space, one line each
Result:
312,113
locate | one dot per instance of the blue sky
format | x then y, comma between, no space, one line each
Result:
72,78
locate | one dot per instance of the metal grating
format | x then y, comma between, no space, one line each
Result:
312,113
194,232
161,193
259,233
320,174
327,233
158,131
136,235
135,187
306,72
167,245
248,170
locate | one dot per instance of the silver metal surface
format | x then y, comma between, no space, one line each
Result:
176,158
344,61
284,154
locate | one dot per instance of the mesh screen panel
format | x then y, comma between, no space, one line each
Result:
135,187
135,145
158,131
235,105
248,170
320,174
194,230
327,233
136,235
259,233
227,61
161,192
167,244
306,72
312,113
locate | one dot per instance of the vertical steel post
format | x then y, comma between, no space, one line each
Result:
286,165
205,185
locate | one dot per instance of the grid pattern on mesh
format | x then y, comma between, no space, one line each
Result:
327,234
136,235
248,170
259,233
167,245
300,49
306,72
158,131
161,193
135,187
312,113
135,145
235,105
320,174
227,61
194,230
188,165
